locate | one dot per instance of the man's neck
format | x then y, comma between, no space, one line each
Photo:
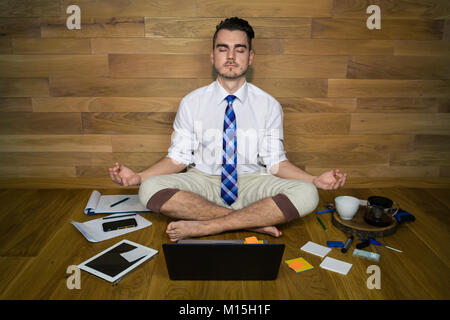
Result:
231,86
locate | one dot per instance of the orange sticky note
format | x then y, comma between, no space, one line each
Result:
297,265
251,240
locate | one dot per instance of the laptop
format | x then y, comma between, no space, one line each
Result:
222,260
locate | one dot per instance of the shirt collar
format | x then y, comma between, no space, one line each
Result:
221,93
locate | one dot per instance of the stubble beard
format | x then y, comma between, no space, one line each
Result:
231,76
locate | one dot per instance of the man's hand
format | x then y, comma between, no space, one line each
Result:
124,176
330,180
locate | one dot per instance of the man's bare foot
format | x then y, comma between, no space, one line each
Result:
270,230
178,230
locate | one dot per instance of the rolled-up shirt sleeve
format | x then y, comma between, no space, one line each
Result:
183,139
271,149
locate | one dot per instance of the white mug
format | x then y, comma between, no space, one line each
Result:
346,206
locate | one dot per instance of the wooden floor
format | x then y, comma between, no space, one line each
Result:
38,243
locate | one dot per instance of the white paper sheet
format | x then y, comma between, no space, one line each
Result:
316,249
336,265
135,254
93,230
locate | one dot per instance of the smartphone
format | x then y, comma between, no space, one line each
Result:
120,224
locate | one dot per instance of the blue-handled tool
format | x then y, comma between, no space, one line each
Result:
363,244
375,242
334,244
372,241
404,216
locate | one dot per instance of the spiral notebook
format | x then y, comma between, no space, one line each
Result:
101,204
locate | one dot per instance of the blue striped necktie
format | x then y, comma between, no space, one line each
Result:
228,188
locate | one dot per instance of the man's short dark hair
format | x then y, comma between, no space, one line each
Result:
233,24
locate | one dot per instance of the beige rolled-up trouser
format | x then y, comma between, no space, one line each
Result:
295,198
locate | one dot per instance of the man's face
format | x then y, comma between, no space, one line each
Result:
231,56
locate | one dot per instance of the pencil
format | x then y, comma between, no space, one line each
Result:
321,223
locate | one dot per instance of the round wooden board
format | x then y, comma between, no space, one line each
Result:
359,227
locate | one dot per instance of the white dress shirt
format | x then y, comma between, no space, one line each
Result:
198,129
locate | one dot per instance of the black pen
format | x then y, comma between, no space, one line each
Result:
115,217
347,244
119,202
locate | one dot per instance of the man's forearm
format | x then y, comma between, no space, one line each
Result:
164,166
287,170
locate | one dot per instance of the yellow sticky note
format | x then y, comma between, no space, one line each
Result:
252,240
299,264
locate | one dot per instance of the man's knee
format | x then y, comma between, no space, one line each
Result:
155,191
311,194
297,200
286,206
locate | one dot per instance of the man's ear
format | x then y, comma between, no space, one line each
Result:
250,57
211,57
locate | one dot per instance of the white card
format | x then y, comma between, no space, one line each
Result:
315,249
336,265
135,254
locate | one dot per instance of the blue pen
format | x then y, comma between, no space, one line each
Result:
325,211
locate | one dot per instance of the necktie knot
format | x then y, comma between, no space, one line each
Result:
230,98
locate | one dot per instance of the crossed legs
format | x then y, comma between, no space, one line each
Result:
193,200
201,217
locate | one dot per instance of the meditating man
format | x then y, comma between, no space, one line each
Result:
229,137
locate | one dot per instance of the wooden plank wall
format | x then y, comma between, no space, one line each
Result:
374,103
